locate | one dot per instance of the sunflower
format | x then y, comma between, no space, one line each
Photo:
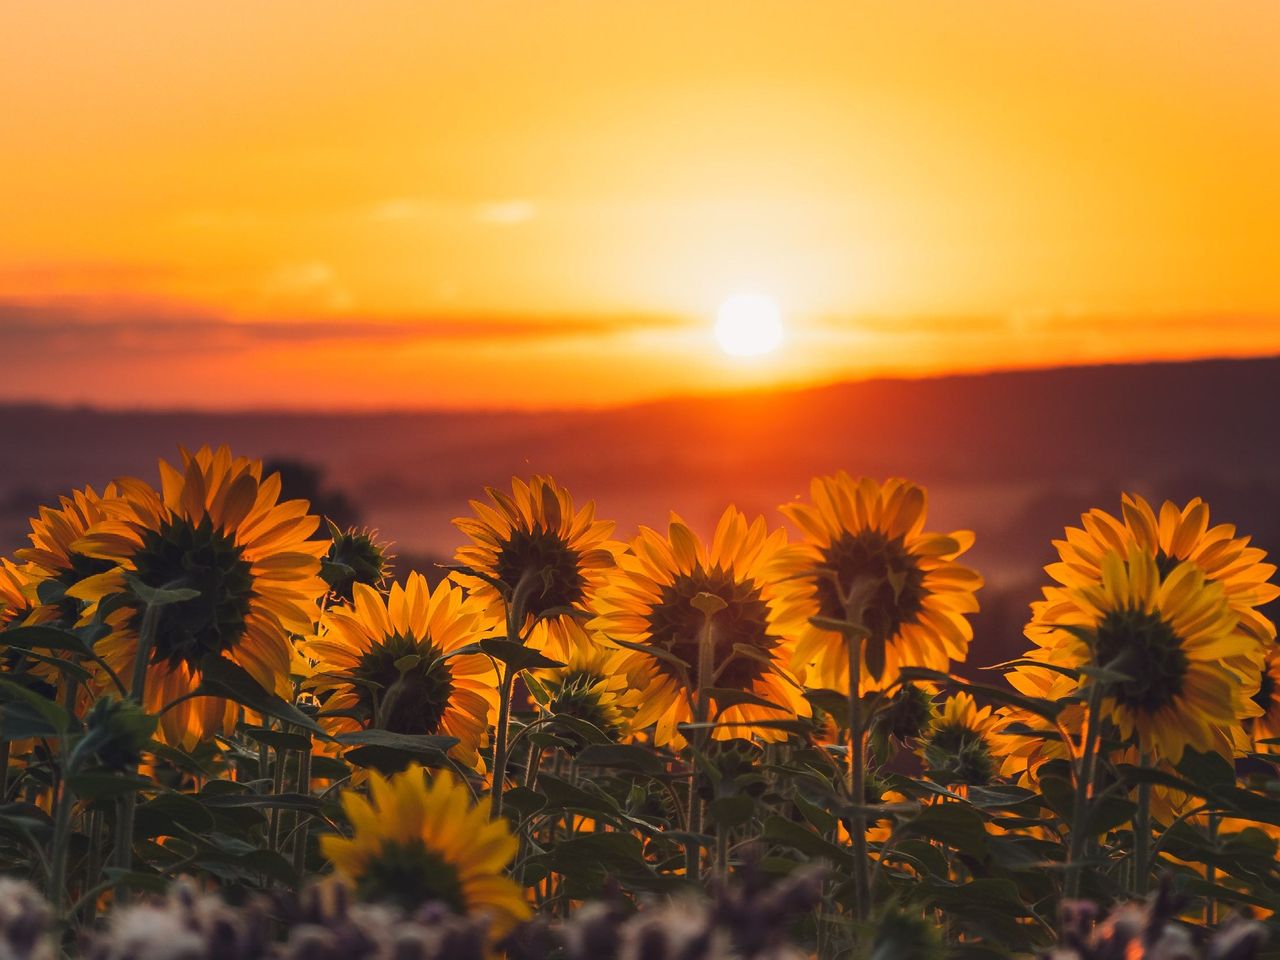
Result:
592,687
543,551
960,748
655,601
51,556
1174,638
218,527
415,843
1175,535
355,556
860,532
15,593
1026,740
386,663
1267,699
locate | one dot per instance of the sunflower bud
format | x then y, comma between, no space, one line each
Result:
117,731
354,557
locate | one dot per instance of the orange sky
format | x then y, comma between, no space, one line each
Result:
540,203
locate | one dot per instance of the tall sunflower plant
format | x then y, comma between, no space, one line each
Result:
201,677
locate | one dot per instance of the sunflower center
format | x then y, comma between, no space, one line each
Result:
1145,649
550,564
677,626
1265,696
403,685
198,557
957,754
870,555
409,875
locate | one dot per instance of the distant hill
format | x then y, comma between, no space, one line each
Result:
1013,456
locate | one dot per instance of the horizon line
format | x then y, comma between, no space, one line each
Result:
900,377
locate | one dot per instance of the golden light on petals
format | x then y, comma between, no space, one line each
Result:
389,662
216,526
1189,669
651,600
536,542
860,530
416,842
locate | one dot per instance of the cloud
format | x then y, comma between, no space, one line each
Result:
507,213
90,326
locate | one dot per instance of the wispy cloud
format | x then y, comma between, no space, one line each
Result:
507,213
80,326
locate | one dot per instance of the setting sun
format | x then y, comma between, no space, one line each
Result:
748,325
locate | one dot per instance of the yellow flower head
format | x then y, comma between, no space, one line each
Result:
1267,699
857,532
548,554
415,842
215,526
1175,640
386,662
1027,740
960,747
15,593
591,686
654,600
1176,534
52,556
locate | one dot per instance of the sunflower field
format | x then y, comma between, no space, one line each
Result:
231,730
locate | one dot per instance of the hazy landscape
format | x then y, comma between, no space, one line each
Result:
1013,456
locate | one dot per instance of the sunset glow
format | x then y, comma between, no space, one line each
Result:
406,205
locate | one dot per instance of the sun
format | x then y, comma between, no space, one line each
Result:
748,325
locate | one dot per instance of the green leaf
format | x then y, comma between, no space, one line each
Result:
1107,813
803,840
954,824
523,801
731,812
50,712
45,638
169,814
100,785
1059,795
390,752
622,756
516,655
286,801
219,677
1209,770
158,596
563,795
845,628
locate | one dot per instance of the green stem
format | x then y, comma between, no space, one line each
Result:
277,788
61,845
93,865
1211,874
1084,791
500,740
858,783
123,853
1142,836
4,772
701,711
304,822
